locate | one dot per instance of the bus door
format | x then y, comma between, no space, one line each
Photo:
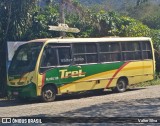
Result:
49,65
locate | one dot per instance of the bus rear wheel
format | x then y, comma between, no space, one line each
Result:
48,94
121,86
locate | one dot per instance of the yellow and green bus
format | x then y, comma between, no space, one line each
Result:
49,67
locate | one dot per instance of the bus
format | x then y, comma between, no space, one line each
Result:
49,67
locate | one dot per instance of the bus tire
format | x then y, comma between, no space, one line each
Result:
121,86
48,94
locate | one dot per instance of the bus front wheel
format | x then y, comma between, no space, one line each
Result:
121,86
48,94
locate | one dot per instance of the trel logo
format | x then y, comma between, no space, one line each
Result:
66,74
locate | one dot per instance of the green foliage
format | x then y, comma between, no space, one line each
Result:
147,13
139,2
110,24
152,21
155,35
14,21
15,18
137,29
41,18
91,24
33,23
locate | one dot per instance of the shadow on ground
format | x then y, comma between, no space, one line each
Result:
4,102
142,108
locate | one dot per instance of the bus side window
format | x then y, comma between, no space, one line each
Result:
85,53
109,52
64,56
91,53
79,56
147,51
49,57
131,51
92,58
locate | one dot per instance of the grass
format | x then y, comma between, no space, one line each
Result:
156,81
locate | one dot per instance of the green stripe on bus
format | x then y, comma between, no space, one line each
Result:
64,75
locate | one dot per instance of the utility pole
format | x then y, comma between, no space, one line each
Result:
62,27
62,16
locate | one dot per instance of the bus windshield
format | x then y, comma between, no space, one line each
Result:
25,58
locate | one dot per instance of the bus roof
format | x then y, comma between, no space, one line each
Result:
77,40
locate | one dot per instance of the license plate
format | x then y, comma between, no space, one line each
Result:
15,93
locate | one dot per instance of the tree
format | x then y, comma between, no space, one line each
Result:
14,21
137,29
16,17
41,18
152,21
139,2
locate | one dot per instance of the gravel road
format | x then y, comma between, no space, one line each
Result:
136,102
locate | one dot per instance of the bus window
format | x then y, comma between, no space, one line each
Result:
79,48
91,53
131,51
130,46
85,53
91,48
79,53
137,55
49,57
109,52
64,56
109,47
25,58
146,46
92,58
79,59
147,55
147,51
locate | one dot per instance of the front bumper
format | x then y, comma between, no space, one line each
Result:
26,91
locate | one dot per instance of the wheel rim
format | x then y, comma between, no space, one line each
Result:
48,94
121,85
